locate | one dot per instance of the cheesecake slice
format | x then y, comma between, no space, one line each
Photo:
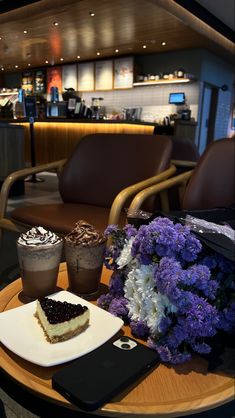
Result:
61,320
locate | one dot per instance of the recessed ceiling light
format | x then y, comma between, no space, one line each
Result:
144,46
61,59
163,43
2,68
55,23
25,31
78,57
16,66
46,62
92,14
29,65
0,38
116,50
98,53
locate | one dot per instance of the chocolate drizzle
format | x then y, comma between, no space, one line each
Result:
58,312
84,234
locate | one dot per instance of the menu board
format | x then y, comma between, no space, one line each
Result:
40,82
123,73
27,82
54,78
86,77
69,77
104,75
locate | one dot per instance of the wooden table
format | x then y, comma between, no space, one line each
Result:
166,392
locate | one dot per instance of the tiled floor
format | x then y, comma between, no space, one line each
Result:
39,192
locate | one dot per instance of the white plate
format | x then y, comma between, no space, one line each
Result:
21,333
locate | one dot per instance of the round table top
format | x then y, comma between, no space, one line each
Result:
169,391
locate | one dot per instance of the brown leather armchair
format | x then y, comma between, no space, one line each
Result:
210,184
95,183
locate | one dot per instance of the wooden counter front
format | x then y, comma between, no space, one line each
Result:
55,140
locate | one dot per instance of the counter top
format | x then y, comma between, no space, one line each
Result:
64,120
95,121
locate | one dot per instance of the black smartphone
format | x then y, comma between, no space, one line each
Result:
97,377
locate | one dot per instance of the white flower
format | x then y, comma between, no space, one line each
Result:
135,307
125,257
144,303
138,287
145,279
157,307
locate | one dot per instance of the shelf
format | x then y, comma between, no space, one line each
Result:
151,83
9,94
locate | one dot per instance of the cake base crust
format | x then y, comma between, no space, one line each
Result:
64,337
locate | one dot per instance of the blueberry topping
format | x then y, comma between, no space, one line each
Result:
57,312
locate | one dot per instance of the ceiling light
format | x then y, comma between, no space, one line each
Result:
98,53
16,66
0,38
163,43
78,57
2,68
144,46
92,14
55,23
29,65
116,50
61,59
25,31
46,62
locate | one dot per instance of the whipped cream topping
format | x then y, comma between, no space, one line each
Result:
38,236
85,234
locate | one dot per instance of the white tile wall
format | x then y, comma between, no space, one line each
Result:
223,114
152,99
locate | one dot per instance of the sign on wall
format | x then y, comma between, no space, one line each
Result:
69,77
86,79
54,78
123,73
104,75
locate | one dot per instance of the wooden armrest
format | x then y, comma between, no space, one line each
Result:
21,174
122,196
184,163
157,188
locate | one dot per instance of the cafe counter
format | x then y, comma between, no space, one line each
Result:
56,138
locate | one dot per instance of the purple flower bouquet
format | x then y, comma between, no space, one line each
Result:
168,288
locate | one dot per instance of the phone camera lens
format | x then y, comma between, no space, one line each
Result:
126,346
124,339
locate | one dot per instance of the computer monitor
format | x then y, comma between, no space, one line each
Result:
177,98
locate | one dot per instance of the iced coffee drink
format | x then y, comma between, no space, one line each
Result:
84,254
39,253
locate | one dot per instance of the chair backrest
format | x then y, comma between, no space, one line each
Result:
212,183
184,149
104,164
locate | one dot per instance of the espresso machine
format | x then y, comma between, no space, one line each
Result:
97,109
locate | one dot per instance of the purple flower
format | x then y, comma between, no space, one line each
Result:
201,348
200,277
116,284
195,287
104,301
111,229
118,307
191,249
130,231
165,324
139,329
227,319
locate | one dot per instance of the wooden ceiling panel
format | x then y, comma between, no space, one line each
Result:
124,25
